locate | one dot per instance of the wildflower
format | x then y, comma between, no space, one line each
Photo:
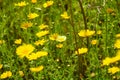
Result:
117,43
65,15
53,36
18,41
99,32
6,74
42,33
47,4
43,26
42,53
38,8
59,45
113,14
21,73
86,33
61,38
32,15
33,1
21,4
109,10
40,42
100,22
36,69
26,25
117,35
108,61
1,66
34,56
118,53
113,70
82,50
24,50
92,74
93,42
57,37
2,41
116,58
57,60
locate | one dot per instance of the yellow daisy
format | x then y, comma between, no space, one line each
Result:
36,69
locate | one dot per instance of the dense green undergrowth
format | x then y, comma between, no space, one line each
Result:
48,40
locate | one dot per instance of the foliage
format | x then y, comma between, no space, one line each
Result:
40,40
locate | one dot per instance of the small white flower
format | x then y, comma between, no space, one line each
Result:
61,38
38,8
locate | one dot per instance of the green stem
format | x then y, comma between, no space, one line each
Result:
83,12
82,58
73,25
106,40
75,37
84,18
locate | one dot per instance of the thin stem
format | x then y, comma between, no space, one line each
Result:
106,40
75,37
85,20
81,58
72,24
83,12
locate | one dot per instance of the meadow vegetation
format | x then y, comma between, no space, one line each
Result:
59,40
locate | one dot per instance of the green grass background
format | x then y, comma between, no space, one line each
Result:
11,18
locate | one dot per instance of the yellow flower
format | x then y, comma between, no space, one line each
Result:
24,50
2,41
117,43
117,35
65,15
118,53
42,53
57,37
47,4
59,45
21,73
36,69
40,42
116,58
33,1
26,25
108,61
21,4
18,41
53,36
100,22
82,50
1,66
109,10
32,15
93,42
34,56
43,26
113,70
42,33
61,38
99,32
86,33
113,14
6,74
